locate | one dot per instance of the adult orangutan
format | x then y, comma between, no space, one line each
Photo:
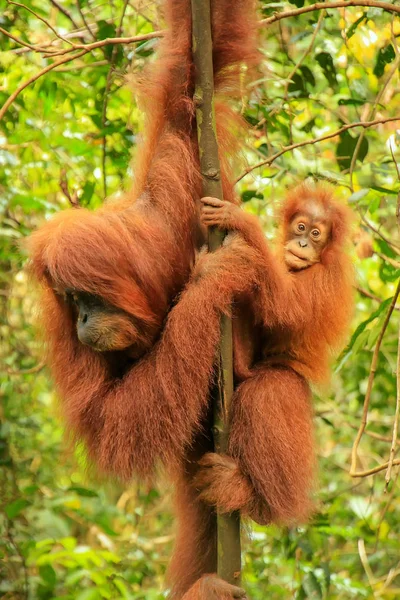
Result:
110,277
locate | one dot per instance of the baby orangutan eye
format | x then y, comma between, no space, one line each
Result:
301,227
315,233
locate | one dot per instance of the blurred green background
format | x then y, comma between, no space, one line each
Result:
68,138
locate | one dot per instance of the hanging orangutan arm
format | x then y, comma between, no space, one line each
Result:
152,412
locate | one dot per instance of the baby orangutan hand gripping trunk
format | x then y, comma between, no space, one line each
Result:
302,305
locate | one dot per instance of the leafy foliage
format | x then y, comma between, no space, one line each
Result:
67,138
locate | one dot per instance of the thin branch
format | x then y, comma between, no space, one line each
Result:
87,48
391,261
72,198
385,238
21,42
49,25
374,470
84,19
91,65
34,78
108,41
65,13
302,58
396,415
326,5
271,159
393,447
369,294
364,420
371,115
105,100
34,369
364,561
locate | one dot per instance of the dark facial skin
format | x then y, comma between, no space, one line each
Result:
102,326
307,235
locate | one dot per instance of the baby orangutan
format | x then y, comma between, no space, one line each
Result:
302,305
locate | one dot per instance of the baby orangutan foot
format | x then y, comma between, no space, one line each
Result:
221,483
220,213
212,587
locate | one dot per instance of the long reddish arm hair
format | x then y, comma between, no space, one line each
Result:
137,254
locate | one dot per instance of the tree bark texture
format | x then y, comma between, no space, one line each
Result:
228,529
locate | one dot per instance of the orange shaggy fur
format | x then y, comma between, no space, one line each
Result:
137,254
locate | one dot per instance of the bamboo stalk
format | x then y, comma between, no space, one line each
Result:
228,526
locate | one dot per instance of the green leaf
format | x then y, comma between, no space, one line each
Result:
384,190
388,273
83,492
325,61
90,594
350,102
249,194
385,56
361,327
352,29
357,196
48,574
14,508
346,147
301,82
312,587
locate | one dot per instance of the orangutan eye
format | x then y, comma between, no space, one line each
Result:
71,296
301,227
315,233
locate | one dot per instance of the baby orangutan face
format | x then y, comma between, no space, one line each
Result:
102,326
307,235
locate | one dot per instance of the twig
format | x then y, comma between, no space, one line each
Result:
84,19
385,238
391,261
20,42
34,78
396,418
73,199
65,13
34,369
364,420
365,564
86,48
91,65
370,116
303,57
105,101
374,470
49,25
108,41
369,294
326,5
271,159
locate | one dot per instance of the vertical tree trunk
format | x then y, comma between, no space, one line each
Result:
229,559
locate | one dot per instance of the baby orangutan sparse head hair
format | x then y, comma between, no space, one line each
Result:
313,223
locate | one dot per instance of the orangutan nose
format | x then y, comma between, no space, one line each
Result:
302,243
